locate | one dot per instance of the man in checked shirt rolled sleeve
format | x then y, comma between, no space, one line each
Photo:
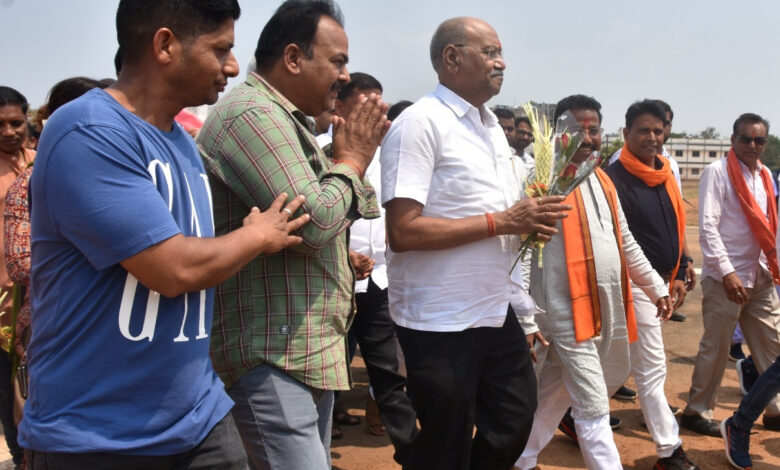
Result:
278,339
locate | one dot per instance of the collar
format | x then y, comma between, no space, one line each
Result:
461,107
745,169
254,80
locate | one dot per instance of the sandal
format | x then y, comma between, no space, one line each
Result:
344,418
374,423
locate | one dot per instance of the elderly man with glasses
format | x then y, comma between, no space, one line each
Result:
452,221
737,233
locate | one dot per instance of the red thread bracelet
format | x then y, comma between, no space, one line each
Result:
491,224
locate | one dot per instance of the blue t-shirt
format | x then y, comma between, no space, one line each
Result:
115,367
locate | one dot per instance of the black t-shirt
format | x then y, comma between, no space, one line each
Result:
651,219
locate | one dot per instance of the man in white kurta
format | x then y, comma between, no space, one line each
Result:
585,374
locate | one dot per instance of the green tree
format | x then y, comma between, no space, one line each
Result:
771,155
608,150
709,133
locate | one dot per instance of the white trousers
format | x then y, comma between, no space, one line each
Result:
597,443
648,366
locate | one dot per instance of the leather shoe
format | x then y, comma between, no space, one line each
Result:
624,393
697,424
677,461
772,422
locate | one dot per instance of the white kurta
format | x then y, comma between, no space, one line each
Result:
600,365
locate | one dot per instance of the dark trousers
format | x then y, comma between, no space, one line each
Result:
220,450
479,377
375,332
7,409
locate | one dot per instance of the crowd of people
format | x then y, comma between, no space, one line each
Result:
180,302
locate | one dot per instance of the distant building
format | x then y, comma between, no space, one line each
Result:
694,155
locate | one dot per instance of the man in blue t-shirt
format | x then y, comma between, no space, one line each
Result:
124,255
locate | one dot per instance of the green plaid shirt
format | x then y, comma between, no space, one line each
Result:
291,309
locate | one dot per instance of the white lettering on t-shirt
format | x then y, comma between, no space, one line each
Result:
166,170
194,228
153,299
126,307
206,184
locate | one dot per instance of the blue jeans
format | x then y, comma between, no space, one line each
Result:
284,424
764,390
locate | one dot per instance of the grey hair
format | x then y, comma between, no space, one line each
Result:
451,31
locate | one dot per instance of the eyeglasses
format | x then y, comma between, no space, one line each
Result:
490,52
759,141
593,131
526,134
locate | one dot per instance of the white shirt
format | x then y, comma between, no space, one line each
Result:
672,163
367,236
454,159
727,243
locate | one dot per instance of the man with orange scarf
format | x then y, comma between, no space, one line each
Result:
654,211
589,316
737,234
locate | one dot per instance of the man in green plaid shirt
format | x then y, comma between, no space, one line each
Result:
278,339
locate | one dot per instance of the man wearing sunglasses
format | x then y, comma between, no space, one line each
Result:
737,234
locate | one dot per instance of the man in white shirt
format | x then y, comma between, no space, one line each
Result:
737,234
518,134
452,219
372,327
524,137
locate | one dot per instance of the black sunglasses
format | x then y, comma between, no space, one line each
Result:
760,141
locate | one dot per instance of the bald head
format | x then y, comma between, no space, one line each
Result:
452,31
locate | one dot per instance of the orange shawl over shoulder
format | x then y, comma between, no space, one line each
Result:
652,177
763,226
583,285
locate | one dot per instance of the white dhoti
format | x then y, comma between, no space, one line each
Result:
590,370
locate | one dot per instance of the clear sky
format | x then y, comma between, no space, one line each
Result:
711,60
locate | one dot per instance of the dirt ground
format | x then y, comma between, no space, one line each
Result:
359,450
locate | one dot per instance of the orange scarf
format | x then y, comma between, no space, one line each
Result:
580,263
764,228
652,177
